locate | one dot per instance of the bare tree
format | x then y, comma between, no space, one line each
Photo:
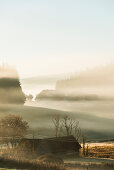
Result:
71,127
56,122
12,129
77,133
67,126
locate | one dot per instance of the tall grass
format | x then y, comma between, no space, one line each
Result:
105,151
19,159
28,164
90,166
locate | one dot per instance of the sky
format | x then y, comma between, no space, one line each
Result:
45,37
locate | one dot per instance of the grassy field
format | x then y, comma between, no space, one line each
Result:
98,159
24,164
19,160
89,164
103,151
94,127
100,108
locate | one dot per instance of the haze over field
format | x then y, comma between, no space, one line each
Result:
40,120
98,80
34,85
62,50
57,84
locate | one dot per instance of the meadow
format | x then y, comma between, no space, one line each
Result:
102,151
40,119
95,124
17,159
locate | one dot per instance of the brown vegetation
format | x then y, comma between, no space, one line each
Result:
89,166
28,164
12,129
17,158
105,151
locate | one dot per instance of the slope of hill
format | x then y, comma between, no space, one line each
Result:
40,119
97,81
10,87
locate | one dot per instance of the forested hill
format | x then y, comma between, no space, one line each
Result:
10,87
102,77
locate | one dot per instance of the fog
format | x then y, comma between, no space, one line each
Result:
103,109
34,85
40,120
96,81
88,97
7,71
92,81
91,106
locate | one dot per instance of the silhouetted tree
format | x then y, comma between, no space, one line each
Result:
12,129
56,122
67,126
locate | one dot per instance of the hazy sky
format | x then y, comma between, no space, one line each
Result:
56,36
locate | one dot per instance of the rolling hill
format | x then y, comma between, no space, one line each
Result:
40,119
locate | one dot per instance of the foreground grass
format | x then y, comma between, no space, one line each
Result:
89,166
85,163
28,164
17,158
7,164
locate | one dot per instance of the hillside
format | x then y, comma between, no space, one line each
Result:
10,87
94,81
90,85
40,119
56,95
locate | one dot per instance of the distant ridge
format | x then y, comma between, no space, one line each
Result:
93,79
